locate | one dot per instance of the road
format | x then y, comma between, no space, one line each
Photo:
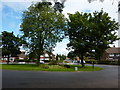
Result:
107,78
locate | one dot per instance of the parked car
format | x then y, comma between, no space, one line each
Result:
67,61
79,61
72,62
21,62
42,62
83,61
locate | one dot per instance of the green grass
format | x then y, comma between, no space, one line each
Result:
43,67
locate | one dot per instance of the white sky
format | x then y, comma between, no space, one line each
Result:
71,6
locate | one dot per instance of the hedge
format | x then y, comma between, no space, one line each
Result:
105,62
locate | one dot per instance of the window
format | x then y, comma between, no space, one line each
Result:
111,54
118,54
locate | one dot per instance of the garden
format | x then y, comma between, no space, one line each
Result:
48,67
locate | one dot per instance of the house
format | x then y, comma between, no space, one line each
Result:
22,55
112,54
47,56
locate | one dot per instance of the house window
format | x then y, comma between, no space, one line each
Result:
118,54
111,54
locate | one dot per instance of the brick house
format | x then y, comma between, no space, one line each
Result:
46,56
111,54
22,55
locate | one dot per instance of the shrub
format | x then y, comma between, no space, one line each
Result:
108,62
67,66
91,61
88,62
53,62
44,66
33,60
21,60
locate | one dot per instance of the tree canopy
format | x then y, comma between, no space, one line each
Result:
10,45
42,28
88,32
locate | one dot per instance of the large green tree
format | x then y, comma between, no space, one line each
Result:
78,33
103,32
10,45
42,28
88,32
71,55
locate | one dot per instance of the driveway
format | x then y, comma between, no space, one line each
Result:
107,78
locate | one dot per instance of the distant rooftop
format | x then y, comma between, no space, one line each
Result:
113,50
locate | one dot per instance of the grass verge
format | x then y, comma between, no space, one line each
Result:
44,67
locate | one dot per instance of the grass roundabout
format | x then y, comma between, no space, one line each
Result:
46,67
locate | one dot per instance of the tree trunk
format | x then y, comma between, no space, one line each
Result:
97,56
8,59
49,57
82,63
38,60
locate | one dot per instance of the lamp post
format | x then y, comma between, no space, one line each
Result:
93,60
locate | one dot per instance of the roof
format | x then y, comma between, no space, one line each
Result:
22,55
113,50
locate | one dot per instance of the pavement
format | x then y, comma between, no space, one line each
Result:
107,78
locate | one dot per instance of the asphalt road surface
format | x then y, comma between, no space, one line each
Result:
107,78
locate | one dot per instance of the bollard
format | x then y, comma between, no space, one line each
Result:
93,64
76,68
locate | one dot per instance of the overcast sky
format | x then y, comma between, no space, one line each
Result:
11,14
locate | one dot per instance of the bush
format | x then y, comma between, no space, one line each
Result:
108,62
21,60
53,62
33,60
91,61
88,62
44,66
67,66
104,62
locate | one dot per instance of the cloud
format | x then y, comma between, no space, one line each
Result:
71,6
19,0
0,6
61,47
0,16
17,6
87,10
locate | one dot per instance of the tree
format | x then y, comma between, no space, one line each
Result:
0,40
42,28
78,33
10,45
59,5
103,32
63,57
71,55
100,1
32,55
88,32
95,0
60,56
57,56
